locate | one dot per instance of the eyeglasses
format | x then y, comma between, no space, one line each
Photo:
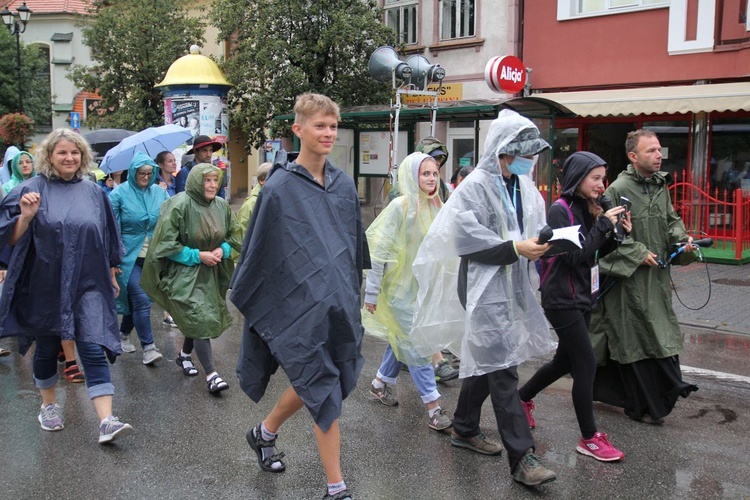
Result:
144,173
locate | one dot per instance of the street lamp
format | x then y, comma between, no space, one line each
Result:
16,28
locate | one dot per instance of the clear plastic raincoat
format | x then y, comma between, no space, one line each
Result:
136,210
394,238
194,295
503,324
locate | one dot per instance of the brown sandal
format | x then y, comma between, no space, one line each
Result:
74,374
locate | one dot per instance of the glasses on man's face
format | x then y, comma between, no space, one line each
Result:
144,173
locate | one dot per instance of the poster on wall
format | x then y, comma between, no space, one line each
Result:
202,115
375,148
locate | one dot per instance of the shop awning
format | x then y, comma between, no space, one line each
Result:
655,100
468,110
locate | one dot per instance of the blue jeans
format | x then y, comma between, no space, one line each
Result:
140,309
423,376
93,359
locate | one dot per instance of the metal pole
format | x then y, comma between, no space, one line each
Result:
18,62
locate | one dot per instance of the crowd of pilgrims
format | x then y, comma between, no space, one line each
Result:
105,249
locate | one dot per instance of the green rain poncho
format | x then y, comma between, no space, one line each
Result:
136,210
394,238
194,295
16,176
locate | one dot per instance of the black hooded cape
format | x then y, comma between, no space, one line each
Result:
298,285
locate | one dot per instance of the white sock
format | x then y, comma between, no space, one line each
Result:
208,376
377,384
334,488
433,411
266,434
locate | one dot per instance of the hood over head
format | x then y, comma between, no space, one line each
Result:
139,160
408,176
435,148
510,134
194,183
15,167
576,167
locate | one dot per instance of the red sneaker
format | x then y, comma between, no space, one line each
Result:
600,448
528,408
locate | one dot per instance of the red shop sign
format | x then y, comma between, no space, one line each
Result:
505,74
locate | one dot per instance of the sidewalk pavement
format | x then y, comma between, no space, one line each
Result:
728,308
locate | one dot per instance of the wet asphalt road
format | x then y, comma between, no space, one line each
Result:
189,444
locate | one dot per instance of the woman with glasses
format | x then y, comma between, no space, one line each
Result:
136,203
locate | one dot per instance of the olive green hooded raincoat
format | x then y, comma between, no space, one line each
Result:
194,295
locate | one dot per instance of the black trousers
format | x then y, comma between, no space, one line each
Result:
502,387
575,356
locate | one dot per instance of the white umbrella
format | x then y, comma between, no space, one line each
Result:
151,141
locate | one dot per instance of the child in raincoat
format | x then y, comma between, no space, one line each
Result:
391,290
187,267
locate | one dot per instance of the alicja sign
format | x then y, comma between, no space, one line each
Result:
505,74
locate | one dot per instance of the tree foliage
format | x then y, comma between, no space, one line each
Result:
282,48
37,101
133,43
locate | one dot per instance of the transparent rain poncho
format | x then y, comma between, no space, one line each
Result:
503,324
394,238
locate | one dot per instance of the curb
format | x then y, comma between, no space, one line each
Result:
712,325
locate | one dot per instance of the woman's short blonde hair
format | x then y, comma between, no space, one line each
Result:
45,149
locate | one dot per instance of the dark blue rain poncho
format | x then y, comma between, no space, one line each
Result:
298,287
59,282
136,210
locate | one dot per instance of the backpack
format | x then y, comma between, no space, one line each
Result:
547,263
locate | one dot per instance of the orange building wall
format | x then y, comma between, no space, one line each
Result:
619,50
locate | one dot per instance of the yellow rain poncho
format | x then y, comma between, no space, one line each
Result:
394,238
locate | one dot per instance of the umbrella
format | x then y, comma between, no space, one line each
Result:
104,139
151,141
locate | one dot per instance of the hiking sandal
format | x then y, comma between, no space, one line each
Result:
186,363
257,443
217,384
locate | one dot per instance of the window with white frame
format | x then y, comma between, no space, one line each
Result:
568,9
401,16
457,19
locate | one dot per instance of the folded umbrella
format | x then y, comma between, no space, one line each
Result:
151,141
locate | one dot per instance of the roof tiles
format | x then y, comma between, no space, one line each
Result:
48,6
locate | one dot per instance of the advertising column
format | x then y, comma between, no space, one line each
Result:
195,97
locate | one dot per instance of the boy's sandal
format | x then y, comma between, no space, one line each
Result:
217,384
257,443
186,363
73,374
61,356
4,352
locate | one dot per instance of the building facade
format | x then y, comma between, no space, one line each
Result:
680,67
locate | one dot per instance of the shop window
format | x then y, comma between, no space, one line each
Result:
457,19
729,166
401,16
674,137
569,9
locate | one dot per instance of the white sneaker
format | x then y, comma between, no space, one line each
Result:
151,355
127,346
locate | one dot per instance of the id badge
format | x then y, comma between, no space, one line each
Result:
594,279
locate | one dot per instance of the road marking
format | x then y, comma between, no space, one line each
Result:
719,375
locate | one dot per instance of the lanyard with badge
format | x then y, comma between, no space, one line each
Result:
595,274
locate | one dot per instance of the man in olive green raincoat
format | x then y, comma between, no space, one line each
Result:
635,330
